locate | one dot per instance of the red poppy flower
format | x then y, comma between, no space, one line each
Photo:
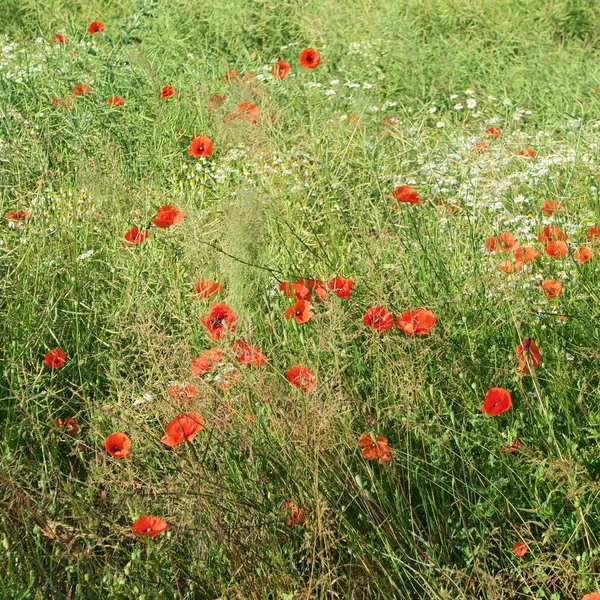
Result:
200,146
247,354
552,288
183,427
309,58
316,286
95,27
296,514
416,322
494,132
552,233
520,549
513,449
215,100
593,595
55,358
184,392
593,232
136,236
583,255
510,267
149,526
167,216
379,318
300,311
301,377
549,206
62,102
81,89
69,425
491,244
167,91
406,194
481,147
557,249
206,362
507,242
372,449
115,101
118,445
247,111
529,355
527,152
230,76
219,320
341,287
497,401
59,38
205,288
526,254
17,216
280,69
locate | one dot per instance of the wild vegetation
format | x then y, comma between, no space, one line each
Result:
299,299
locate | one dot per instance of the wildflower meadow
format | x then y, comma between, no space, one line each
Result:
299,300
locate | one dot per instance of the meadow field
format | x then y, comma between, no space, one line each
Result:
299,300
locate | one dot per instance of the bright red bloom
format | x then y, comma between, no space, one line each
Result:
552,233
151,526
552,288
341,287
118,445
529,355
17,216
417,322
300,311
55,358
520,549
527,152
230,76
69,425
167,216
593,595
59,38
406,194
583,255
167,91
206,362
507,242
593,232
215,100
200,146
549,206
316,286
497,400
205,288
301,377
183,427
219,320
494,132
81,89
115,101
247,354
95,27
64,102
509,267
184,392
136,236
379,318
280,69
372,449
309,58
526,254
557,249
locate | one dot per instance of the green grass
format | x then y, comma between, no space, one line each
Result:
304,193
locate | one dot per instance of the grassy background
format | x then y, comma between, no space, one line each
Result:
306,193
